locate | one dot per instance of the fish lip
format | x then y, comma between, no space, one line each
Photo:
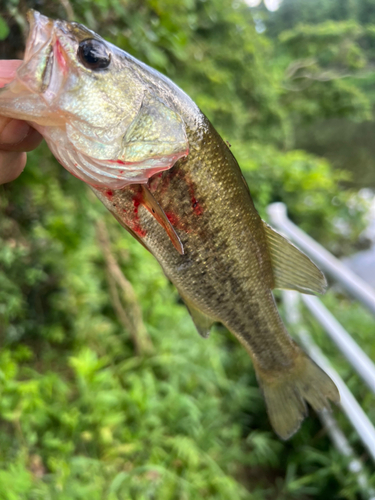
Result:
36,70
40,33
45,65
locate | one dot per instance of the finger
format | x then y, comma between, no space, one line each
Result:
17,135
31,141
11,165
8,70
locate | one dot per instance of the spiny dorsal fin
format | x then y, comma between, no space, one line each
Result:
292,269
201,321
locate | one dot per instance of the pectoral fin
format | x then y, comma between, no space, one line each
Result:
201,321
292,269
155,209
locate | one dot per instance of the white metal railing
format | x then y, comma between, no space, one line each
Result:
352,283
359,360
348,403
362,364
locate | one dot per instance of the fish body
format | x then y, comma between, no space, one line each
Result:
160,167
225,270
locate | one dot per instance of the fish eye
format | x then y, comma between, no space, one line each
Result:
94,54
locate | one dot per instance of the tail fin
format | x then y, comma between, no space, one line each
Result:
286,395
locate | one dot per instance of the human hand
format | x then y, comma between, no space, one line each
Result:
16,136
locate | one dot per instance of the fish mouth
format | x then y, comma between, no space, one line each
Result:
36,69
44,67
40,33
33,94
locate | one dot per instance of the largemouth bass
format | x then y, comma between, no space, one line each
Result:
159,166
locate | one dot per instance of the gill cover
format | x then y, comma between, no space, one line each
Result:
153,142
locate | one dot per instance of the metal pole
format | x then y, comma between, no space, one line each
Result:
348,403
349,348
354,285
343,446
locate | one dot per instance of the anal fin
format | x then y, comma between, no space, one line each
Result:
292,269
202,321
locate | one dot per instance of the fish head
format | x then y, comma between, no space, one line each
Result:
90,100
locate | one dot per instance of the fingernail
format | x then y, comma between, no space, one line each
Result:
14,132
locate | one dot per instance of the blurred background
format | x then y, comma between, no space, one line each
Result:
106,389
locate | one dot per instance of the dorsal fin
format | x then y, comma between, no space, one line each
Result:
292,269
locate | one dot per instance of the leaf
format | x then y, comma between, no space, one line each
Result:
4,30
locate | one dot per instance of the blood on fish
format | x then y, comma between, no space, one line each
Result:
60,56
175,172
196,207
133,220
108,194
118,162
136,202
131,217
160,182
173,219
137,229
134,223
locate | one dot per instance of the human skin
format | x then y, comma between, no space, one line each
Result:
16,136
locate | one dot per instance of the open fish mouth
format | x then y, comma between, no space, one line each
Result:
45,65
36,70
40,79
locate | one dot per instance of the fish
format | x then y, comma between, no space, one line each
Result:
159,166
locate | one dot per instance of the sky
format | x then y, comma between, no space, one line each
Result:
271,5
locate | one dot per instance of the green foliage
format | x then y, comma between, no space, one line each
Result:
293,12
4,30
308,186
81,414
327,52
326,59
